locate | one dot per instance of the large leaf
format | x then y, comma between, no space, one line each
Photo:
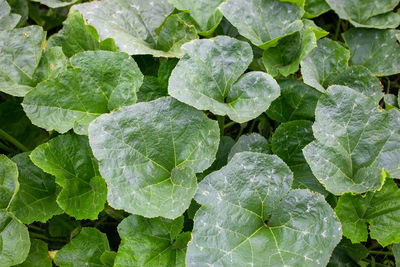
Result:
250,143
263,22
250,217
296,102
377,50
324,63
204,12
149,154
209,77
70,160
347,254
14,235
57,3
286,56
8,20
76,36
151,242
377,211
38,255
99,82
36,198
133,24
85,249
355,141
369,14
20,52
288,142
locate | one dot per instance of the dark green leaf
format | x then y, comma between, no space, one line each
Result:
38,255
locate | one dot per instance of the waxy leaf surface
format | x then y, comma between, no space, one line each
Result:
250,217
8,20
355,141
210,77
149,153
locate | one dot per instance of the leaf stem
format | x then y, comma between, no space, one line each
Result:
34,227
229,124
240,133
6,148
43,237
389,253
253,123
337,30
221,124
13,141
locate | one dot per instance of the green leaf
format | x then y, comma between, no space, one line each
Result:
52,63
19,7
204,12
20,52
347,254
99,82
377,211
15,123
391,101
75,36
108,258
286,56
296,102
151,242
151,89
355,141
36,198
133,24
63,226
48,18
324,63
8,20
38,255
288,142
176,30
14,236
209,77
369,14
263,22
70,160
84,250
149,154
377,50
250,143
57,3
314,8
250,217
396,253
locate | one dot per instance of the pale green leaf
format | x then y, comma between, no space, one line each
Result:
36,198
314,8
70,160
250,143
151,242
210,77
296,102
377,50
287,143
149,154
377,211
369,14
84,250
355,140
99,82
20,52
57,3
263,22
38,255
8,20
250,217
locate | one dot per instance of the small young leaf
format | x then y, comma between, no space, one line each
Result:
249,216
70,160
379,211
151,242
149,154
209,77
250,143
84,250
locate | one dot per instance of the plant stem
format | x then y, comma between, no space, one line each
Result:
221,123
6,148
40,236
337,30
253,123
240,133
229,124
36,228
388,85
13,141
381,252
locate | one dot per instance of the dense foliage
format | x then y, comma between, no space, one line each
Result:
199,133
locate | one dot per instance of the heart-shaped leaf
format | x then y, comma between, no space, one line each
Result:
149,154
209,77
377,50
263,22
99,82
355,141
250,217
70,160
151,242
377,211
369,14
